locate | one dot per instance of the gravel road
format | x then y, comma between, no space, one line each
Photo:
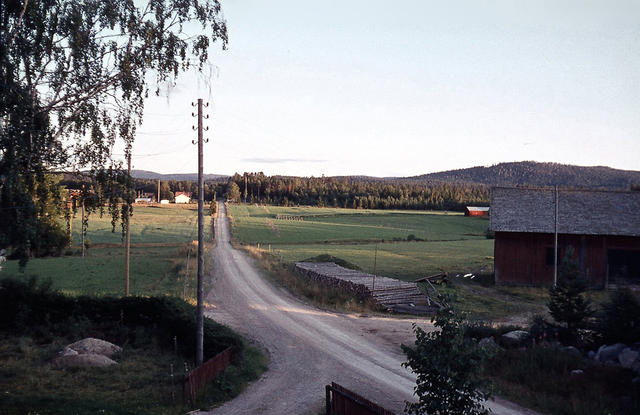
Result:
307,347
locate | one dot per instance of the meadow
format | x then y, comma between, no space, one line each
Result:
161,241
402,244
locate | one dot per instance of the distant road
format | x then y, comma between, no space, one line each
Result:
307,347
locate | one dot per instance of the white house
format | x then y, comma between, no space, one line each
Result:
183,197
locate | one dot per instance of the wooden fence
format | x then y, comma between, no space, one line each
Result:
196,380
342,401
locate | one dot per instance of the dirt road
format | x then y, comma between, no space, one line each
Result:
308,348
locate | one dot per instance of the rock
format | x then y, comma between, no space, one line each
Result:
577,372
95,346
82,360
635,366
627,357
572,351
67,352
610,353
591,354
514,338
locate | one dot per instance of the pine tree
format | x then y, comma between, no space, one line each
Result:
567,303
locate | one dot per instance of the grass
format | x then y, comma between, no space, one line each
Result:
144,326
540,378
161,239
253,224
450,242
320,295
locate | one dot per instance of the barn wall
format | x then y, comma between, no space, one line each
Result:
521,258
477,213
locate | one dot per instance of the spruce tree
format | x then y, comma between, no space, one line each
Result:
567,303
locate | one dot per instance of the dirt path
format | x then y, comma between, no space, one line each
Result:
308,348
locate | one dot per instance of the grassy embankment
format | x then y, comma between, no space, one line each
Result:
161,238
441,242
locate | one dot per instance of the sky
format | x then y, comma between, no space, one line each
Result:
404,88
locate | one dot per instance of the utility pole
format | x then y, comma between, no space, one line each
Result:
555,237
200,316
82,227
158,191
127,244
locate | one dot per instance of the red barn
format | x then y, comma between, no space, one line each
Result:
603,227
476,211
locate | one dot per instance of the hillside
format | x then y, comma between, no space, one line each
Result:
537,174
191,177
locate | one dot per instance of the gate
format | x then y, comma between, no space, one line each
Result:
342,401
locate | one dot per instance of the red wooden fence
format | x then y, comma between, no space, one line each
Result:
198,378
342,401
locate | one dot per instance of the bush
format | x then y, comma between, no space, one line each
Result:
448,368
620,319
32,309
567,303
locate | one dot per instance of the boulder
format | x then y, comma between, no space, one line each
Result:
591,355
95,346
627,357
67,352
515,338
81,360
610,353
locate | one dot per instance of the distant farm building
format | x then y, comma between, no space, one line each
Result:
183,197
476,211
603,227
164,202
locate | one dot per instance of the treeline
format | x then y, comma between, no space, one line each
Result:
355,193
168,188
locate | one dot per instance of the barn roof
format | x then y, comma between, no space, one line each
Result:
582,212
477,209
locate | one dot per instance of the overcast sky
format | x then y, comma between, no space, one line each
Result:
407,87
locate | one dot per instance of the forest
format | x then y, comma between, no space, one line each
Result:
356,193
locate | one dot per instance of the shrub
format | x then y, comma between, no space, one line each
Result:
620,319
567,303
31,309
448,368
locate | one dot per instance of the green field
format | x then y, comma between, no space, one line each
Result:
160,238
451,242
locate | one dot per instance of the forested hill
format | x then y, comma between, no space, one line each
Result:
531,173
192,177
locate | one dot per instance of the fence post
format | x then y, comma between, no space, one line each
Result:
327,389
